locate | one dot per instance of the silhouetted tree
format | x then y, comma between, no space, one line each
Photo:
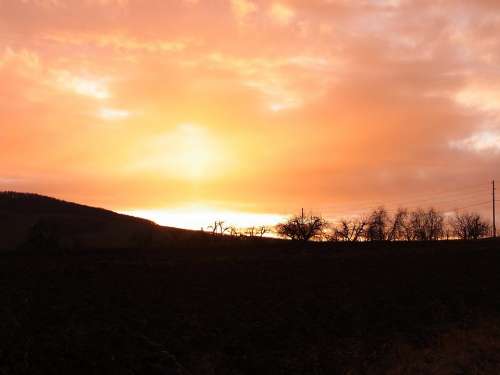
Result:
469,226
250,232
427,225
398,226
407,232
434,224
233,231
302,228
377,228
263,230
349,230
417,222
219,228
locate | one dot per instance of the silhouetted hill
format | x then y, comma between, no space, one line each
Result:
35,221
29,203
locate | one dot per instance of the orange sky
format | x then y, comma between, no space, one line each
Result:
251,105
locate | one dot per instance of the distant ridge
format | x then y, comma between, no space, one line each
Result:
31,203
29,220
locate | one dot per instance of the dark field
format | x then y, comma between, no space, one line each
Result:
254,307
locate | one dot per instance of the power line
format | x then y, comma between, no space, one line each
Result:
445,197
471,205
442,200
409,204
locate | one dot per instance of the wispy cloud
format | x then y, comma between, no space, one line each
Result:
94,87
486,141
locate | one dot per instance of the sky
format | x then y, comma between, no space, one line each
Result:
185,111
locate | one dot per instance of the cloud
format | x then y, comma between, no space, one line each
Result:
23,60
485,141
284,83
242,9
93,87
282,14
484,98
112,114
116,41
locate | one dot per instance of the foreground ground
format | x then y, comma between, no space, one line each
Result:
244,307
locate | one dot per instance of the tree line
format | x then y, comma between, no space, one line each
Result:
380,225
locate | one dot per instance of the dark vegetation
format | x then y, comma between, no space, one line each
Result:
380,225
303,228
184,302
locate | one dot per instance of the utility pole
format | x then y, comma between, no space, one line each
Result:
494,215
302,214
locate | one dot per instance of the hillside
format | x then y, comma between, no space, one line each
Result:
36,221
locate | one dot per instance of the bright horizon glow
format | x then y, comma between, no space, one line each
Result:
198,217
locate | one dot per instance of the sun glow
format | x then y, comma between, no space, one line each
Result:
197,217
187,152
194,150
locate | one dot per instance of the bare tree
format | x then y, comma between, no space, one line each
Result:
263,230
426,225
434,225
250,232
349,230
233,231
417,224
469,226
213,228
448,232
407,234
219,228
398,226
303,228
378,222
256,231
